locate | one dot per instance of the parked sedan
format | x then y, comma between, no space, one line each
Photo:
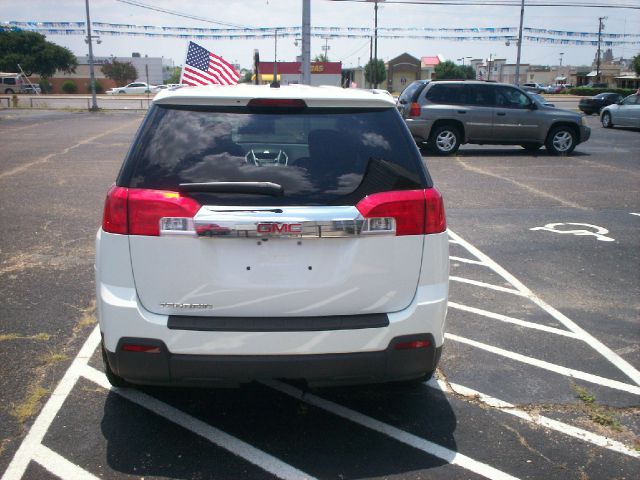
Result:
133,88
596,103
623,114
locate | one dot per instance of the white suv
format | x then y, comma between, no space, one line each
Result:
258,232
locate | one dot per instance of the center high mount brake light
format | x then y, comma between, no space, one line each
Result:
277,103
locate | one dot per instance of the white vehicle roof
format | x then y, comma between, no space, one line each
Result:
240,95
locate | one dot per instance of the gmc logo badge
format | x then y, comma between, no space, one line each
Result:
279,228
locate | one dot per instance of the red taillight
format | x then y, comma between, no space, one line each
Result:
128,347
416,212
436,218
414,111
114,218
136,211
412,345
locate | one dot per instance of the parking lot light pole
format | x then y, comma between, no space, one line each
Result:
519,44
92,75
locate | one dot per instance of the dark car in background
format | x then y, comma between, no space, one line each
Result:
596,103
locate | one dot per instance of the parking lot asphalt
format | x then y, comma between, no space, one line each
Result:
539,377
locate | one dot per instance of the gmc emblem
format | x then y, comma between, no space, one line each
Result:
279,228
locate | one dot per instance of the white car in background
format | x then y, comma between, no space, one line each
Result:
133,89
625,113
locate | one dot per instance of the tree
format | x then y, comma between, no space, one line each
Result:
34,54
120,72
378,69
246,75
636,64
321,58
174,76
450,71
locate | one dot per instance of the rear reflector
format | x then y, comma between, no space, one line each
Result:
412,345
136,211
140,348
414,111
409,212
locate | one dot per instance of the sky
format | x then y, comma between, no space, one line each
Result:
352,52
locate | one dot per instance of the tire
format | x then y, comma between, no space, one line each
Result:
121,92
561,141
606,120
445,140
114,379
531,147
9,91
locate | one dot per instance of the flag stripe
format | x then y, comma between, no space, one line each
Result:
203,77
226,66
199,80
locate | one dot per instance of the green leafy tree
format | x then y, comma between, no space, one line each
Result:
450,71
34,54
246,75
69,86
375,72
636,64
120,72
321,58
174,76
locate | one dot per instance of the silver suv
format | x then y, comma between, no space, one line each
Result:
443,115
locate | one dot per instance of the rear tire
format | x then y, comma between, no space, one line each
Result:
561,141
9,91
445,140
606,120
114,379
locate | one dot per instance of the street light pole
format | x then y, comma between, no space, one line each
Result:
375,48
600,26
306,42
92,75
519,44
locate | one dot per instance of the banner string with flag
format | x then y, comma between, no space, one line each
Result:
202,67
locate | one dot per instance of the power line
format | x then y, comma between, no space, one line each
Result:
508,3
136,3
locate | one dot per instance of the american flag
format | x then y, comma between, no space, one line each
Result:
203,68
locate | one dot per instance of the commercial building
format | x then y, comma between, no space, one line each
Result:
322,73
158,68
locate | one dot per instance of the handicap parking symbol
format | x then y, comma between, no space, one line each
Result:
588,229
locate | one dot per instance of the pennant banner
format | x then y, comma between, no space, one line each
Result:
296,29
320,32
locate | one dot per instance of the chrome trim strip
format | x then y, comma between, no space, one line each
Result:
282,222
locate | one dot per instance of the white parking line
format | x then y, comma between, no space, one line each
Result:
568,372
486,285
449,456
60,466
33,440
541,420
465,260
600,347
515,321
218,437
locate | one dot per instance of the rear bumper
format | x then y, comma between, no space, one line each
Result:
165,368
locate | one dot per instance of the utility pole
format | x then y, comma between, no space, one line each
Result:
519,44
275,83
600,27
306,42
326,47
92,75
489,69
375,48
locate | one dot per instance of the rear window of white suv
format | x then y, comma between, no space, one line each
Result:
318,156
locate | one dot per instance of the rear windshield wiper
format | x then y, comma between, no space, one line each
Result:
259,188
